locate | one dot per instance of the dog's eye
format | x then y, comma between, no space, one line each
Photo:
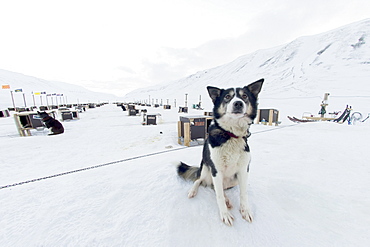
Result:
244,96
227,96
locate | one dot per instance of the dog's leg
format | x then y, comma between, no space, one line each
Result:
228,203
194,189
226,217
244,205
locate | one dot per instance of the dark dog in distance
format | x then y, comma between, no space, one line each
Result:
50,122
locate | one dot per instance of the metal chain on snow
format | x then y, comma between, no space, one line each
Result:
113,162
88,168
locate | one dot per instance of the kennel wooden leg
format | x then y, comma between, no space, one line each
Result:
187,134
179,134
277,119
271,112
18,124
22,132
257,121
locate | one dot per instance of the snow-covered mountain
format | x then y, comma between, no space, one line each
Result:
28,84
337,61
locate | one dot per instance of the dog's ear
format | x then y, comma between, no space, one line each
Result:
214,92
255,87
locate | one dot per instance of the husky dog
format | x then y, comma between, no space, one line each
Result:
226,154
55,125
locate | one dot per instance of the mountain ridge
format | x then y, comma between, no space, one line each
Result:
309,65
29,84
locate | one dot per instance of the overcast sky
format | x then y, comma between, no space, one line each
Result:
117,46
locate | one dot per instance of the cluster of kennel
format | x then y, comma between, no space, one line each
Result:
27,120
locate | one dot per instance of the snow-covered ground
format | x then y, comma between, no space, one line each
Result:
309,185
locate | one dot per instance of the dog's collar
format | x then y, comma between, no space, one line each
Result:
228,132
231,134
234,136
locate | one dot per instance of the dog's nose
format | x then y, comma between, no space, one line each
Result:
238,104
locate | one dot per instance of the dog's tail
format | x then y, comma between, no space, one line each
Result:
188,172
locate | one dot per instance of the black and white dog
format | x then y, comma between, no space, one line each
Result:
226,154
50,122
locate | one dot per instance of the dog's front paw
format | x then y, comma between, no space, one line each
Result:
227,218
246,213
192,193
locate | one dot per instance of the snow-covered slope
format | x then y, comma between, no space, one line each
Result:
336,61
31,84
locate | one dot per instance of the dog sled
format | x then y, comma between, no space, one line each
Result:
308,118
345,116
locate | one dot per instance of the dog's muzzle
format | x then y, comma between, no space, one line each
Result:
238,107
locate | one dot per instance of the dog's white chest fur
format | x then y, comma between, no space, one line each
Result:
230,159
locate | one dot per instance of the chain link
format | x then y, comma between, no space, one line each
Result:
115,162
88,168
